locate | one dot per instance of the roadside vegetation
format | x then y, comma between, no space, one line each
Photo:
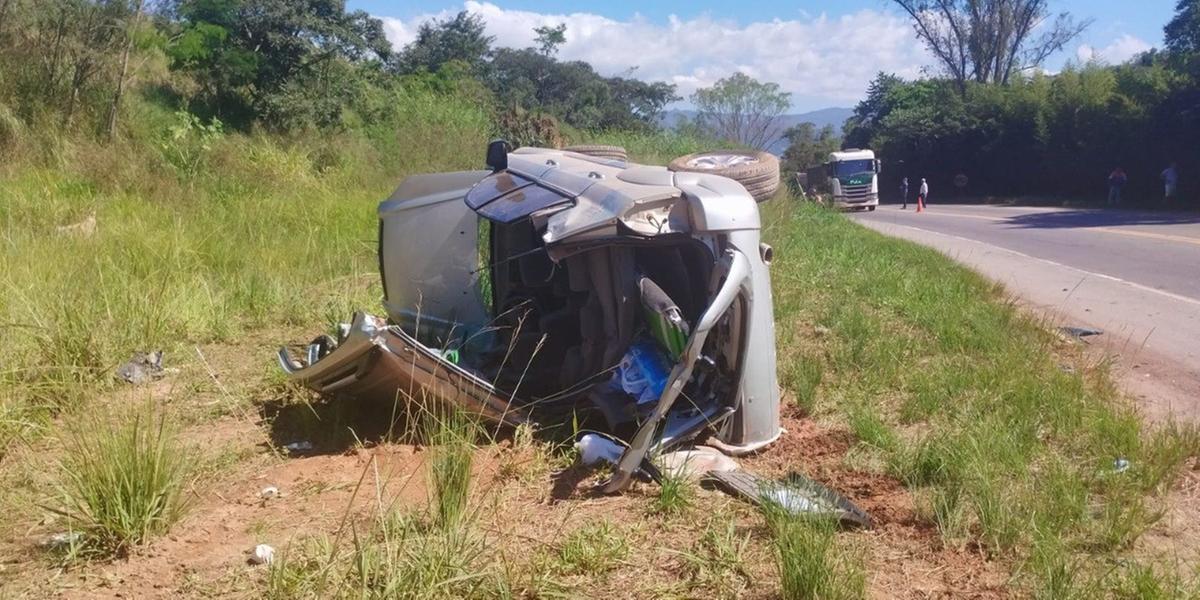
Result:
1008,437
235,216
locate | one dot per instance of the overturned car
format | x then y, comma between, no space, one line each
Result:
565,287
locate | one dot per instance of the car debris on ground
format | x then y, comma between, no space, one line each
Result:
143,367
560,287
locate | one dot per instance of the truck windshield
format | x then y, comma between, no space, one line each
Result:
847,168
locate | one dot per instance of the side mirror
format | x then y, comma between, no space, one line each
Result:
878,166
497,155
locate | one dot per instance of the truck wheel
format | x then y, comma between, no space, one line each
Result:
758,172
598,151
871,208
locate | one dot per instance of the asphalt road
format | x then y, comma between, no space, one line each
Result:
1135,275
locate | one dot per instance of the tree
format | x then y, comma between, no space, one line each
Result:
1183,32
987,41
461,38
285,62
868,115
741,109
550,38
808,146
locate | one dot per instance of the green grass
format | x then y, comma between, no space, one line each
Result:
812,563
593,549
252,232
122,481
963,399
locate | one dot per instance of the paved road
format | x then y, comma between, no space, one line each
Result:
1135,275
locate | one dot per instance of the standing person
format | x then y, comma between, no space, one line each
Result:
1170,177
1116,182
922,194
904,193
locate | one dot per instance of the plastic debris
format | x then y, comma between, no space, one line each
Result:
298,447
269,492
795,494
1080,332
695,463
594,449
65,539
142,368
262,555
643,372
1121,465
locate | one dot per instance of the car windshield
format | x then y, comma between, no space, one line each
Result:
847,168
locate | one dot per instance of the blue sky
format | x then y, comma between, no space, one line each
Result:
824,53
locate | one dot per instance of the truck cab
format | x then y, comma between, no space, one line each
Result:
853,178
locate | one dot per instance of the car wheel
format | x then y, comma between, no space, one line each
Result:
758,172
598,151
871,208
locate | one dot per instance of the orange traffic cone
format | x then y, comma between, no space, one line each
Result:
920,205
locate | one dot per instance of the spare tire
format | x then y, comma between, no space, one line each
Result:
758,172
598,151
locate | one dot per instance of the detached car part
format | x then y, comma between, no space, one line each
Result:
517,293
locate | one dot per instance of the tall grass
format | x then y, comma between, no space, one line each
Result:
122,480
243,232
811,562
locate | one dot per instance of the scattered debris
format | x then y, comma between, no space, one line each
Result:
822,330
142,368
1080,332
595,449
795,494
62,540
694,463
85,228
262,555
299,447
1121,465
269,492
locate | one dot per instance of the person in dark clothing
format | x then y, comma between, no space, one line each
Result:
904,193
1116,182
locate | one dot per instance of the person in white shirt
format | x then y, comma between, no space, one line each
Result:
923,194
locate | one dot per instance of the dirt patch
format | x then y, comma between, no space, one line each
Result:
526,509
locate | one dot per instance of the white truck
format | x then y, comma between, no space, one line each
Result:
852,177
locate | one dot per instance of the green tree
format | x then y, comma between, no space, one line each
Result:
550,38
284,62
1183,32
461,39
808,146
869,113
742,110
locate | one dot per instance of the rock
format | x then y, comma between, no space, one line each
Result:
822,330
142,368
269,492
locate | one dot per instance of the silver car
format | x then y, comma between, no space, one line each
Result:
559,286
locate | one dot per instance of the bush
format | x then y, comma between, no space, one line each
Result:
122,481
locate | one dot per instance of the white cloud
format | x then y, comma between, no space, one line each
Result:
822,60
1119,51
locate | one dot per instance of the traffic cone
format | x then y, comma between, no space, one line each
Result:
920,205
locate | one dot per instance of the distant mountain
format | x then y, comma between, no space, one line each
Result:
825,116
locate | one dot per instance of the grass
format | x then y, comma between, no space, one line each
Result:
593,549
122,481
811,562
963,399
